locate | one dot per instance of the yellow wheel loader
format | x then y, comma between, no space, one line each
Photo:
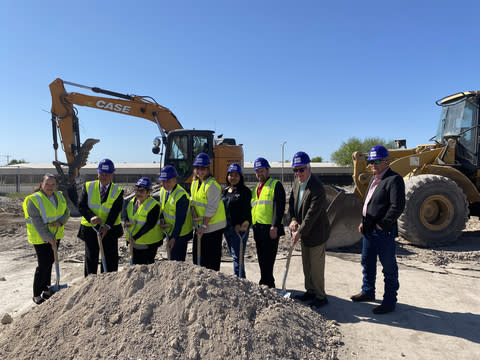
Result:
442,179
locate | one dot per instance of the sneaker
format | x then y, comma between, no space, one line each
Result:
316,303
307,296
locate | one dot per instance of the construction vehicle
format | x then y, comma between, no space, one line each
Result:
180,145
442,179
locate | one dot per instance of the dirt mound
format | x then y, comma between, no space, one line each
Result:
169,310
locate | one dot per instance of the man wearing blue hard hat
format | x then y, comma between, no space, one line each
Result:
175,205
307,208
383,205
143,234
100,206
268,207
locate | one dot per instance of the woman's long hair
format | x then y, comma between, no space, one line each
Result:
45,177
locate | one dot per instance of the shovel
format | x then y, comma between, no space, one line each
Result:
241,269
130,242
284,292
57,287
199,238
167,239
100,245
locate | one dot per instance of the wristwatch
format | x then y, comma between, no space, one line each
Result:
204,226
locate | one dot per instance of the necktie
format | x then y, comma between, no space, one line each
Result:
167,195
103,190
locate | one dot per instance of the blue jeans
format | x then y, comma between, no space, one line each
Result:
233,242
382,244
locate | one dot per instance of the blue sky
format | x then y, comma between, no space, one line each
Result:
311,73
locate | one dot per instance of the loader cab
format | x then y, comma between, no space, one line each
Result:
181,148
459,120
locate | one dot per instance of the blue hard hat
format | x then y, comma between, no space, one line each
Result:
377,152
234,167
261,163
106,166
300,158
201,159
168,172
144,182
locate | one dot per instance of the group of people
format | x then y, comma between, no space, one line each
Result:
209,213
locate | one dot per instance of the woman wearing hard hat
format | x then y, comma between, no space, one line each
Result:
208,213
142,218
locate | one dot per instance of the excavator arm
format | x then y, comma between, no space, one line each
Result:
65,123
64,119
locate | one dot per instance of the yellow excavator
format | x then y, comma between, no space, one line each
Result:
180,145
442,179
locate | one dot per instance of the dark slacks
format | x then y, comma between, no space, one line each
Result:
179,251
380,244
43,272
92,250
211,250
145,256
266,253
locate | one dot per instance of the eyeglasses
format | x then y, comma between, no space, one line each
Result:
376,162
301,170
201,167
140,190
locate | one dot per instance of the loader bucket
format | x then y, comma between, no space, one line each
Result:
344,214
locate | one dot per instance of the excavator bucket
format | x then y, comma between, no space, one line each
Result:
344,214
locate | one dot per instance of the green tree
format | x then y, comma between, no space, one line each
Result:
317,159
343,156
15,161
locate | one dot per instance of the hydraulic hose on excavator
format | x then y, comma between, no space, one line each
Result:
344,214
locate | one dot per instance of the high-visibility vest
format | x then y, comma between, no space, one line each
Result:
169,206
199,200
95,202
139,219
262,207
48,212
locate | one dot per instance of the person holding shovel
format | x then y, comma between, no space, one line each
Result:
100,206
143,232
268,207
209,214
175,207
46,213
236,197
308,221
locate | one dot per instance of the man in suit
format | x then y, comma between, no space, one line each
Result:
309,222
384,203
100,206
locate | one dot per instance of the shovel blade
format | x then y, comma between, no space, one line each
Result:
56,288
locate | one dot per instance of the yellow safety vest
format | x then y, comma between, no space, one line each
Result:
139,219
49,214
199,200
262,207
95,202
169,206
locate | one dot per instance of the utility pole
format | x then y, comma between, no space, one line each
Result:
283,146
8,158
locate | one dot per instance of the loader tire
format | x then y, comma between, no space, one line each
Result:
436,211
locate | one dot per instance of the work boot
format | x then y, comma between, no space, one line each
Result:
383,309
362,297
316,303
305,296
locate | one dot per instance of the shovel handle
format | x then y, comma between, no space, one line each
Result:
195,218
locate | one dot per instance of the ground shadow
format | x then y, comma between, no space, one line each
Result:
457,324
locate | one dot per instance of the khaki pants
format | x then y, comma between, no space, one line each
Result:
313,259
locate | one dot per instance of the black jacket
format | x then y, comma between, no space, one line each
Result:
311,215
387,203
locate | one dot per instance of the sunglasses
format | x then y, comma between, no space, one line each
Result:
301,170
376,162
